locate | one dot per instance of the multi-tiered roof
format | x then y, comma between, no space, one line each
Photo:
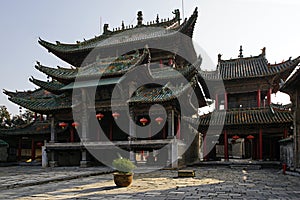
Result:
108,65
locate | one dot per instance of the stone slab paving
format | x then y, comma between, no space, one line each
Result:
209,183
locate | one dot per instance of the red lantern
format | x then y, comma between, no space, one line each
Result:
99,116
39,144
75,124
63,125
144,121
115,115
159,120
250,137
235,137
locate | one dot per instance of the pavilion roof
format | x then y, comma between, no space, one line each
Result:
44,105
161,93
36,127
243,117
53,86
249,67
76,53
114,66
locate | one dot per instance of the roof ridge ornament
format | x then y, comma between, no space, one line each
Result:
263,51
241,52
140,18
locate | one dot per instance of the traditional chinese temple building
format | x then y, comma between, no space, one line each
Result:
250,124
114,80
292,87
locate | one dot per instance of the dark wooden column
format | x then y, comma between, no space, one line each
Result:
71,134
84,115
205,156
111,130
225,101
53,135
226,157
258,98
285,133
20,149
260,145
178,131
32,149
217,102
171,124
269,96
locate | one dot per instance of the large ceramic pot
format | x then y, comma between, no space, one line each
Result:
123,180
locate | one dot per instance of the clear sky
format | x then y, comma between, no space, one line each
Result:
222,26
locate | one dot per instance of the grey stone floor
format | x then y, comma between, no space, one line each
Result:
209,183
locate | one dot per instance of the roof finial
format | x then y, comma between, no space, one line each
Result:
123,26
263,51
241,52
140,18
219,57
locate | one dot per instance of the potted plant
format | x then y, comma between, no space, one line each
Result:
123,176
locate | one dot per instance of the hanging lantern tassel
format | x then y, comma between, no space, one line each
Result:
143,121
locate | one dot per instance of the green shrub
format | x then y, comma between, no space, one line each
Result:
123,165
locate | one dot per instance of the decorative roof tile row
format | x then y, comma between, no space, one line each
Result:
53,86
160,94
58,103
102,68
121,36
248,68
255,116
75,54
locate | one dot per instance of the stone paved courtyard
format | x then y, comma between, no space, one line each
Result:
209,183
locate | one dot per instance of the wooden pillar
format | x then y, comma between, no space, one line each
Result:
149,133
217,102
111,130
226,100
32,149
171,124
285,133
164,132
258,98
226,157
260,145
20,149
84,115
71,134
205,155
269,96
178,127
53,135
132,130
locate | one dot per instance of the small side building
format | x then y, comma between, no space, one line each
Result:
292,87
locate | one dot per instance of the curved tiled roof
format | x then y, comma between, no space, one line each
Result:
250,67
53,86
36,94
254,116
139,33
102,68
160,94
58,103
